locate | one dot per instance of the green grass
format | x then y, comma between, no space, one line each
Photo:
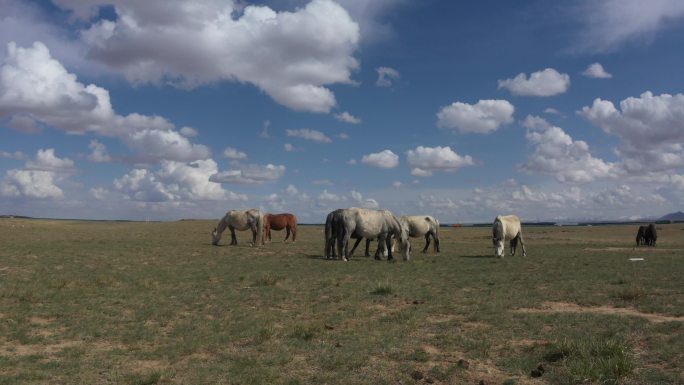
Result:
599,360
155,303
382,288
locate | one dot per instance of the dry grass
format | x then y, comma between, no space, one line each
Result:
155,303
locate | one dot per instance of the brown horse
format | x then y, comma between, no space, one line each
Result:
278,222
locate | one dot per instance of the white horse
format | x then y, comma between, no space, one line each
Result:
507,227
422,225
333,222
372,224
252,219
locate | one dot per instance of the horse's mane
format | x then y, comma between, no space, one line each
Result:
497,229
223,223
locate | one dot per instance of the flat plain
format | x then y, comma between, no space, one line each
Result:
85,302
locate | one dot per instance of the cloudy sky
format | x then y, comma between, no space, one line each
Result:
172,109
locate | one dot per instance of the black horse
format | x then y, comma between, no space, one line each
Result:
641,236
650,235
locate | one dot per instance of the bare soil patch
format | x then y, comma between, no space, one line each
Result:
566,307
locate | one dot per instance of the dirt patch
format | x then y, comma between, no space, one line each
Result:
565,307
429,349
527,343
14,349
39,321
440,318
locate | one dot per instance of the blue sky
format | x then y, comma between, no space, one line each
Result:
174,109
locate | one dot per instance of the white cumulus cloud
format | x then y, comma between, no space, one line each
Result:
34,84
39,177
558,155
347,118
99,152
30,184
232,153
386,76
291,56
175,182
547,82
308,134
382,159
250,174
650,128
483,117
425,160
595,70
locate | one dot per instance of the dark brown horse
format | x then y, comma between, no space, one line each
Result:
278,222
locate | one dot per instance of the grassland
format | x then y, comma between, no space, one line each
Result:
155,303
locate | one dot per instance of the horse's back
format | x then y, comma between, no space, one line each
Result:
510,224
419,224
281,221
366,223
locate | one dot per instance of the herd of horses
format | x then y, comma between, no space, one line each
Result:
342,225
391,233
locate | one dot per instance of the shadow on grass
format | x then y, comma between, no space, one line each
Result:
318,256
321,257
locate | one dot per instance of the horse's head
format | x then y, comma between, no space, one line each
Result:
215,237
404,244
498,238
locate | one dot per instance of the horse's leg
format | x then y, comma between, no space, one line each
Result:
233,239
514,244
351,253
388,245
435,238
294,233
427,242
344,242
254,235
287,233
345,248
379,251
367,253
522,244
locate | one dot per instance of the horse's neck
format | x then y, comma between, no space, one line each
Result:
500,230
223,223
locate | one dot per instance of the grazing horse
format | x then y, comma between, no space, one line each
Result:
278,222
252,219
422,225
332,227
507,227
641,236
650,235
372,224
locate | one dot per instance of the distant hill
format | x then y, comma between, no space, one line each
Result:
678,216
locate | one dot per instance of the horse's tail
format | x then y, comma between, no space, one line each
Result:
327,234
340,230
294,227
436,235
260,228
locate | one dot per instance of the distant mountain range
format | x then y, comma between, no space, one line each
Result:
678,216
